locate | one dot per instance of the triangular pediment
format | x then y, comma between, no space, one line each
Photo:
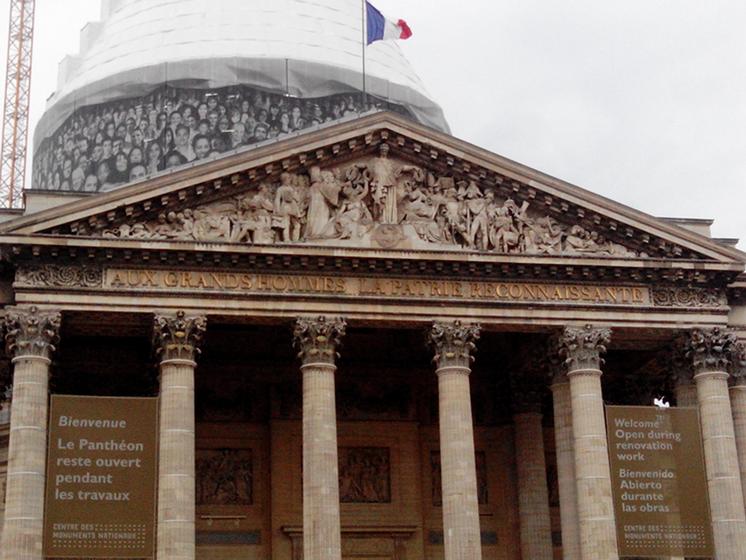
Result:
377,182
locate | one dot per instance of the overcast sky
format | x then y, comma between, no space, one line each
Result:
642,101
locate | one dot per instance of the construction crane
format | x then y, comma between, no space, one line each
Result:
17,100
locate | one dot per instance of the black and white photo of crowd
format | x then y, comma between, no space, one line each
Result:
103,146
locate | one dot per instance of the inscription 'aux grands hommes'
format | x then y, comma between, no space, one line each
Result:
194,280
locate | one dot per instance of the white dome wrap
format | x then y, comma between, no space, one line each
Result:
306,48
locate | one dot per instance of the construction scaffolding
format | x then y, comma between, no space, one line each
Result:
17,101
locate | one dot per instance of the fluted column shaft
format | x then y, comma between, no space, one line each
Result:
686,394
738,407
176,471
320,464
533,494
583,348
177,339
24,502
685,391
592,471
318,340
565,450
31,337
454,345
458,466
721,458
710,352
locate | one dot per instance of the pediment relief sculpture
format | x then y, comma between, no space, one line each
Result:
378,202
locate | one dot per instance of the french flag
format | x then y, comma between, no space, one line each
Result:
381,29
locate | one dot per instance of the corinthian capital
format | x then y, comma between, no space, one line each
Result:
31,332
738,363
679,363
454,343
556,367
710,349
317,339
178,337
582,347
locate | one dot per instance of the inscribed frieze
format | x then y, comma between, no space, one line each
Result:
373,287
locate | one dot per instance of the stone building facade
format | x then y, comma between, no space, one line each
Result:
372,340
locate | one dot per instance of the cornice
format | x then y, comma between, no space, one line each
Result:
48,249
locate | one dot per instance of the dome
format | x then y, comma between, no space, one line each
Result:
305,51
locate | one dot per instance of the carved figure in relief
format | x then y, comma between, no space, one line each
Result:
213,223
441,231
450,211
503,233
444,187
364,475
224,477
544,236
185,220
582,241
135,231
384,183
416,205
576,240
260,208
379,202
353,218
324,198
520,221
253,219
165,225
243,223
479,207
287,217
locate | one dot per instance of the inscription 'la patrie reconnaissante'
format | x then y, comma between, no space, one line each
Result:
278,284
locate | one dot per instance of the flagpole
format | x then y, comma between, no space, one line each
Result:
364,42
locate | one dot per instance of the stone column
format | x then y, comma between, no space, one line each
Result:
6,381
176,340
454,346
686,394
680,373
738,406
565,449
582,348
533,494
710,351
31,338
317,341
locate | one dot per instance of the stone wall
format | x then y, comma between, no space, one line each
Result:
251,476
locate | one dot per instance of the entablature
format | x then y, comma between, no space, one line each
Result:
48,249
383,289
